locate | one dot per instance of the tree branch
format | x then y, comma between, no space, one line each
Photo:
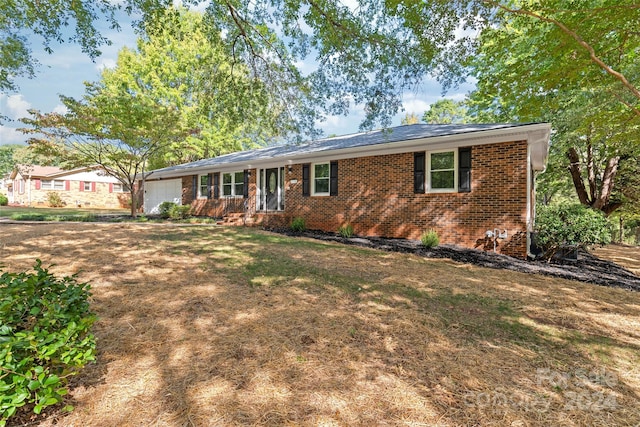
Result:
592,53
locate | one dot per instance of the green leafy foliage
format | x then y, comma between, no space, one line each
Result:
531,68
179,211
430,239
165,208
4,201
45,336
570,227
346,230
446,111
298,224
54,199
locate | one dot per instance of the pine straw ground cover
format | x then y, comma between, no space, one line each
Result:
208,326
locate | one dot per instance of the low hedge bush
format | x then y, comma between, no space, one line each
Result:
179,211
165,208
45,338
298,224
430,239
570,227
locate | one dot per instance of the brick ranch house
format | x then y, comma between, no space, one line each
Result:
463,181
89,187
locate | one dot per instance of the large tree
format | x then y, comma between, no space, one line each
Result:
109,128
593,113
178,64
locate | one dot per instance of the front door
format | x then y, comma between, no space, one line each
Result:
271,189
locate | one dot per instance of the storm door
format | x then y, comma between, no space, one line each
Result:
271,189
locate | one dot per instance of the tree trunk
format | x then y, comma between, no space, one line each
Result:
608,179
134,202
576,175
621,229
591,171
596,198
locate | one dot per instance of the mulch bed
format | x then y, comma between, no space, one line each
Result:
587,268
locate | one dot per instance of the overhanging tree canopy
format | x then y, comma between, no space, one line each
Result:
373,52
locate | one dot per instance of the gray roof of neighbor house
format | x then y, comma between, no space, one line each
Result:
397,139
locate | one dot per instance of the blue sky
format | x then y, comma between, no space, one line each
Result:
64,72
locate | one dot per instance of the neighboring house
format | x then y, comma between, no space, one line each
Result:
81,187
472,184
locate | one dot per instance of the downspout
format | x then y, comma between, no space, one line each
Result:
530,213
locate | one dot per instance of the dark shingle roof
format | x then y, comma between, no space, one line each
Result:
377,137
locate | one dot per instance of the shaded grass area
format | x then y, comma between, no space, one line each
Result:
18,213
218,326
50,217
11,211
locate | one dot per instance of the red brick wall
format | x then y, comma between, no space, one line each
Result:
212,207
375,195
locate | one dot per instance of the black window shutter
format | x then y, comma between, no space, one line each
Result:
216,185
305,180
209,184
245,191
333,179
464,169
195,187
419,163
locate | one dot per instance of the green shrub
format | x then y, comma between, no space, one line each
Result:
430,239
165,208
54,199
28,217
570,227
3,200
346,231
179,211
45,335
298,224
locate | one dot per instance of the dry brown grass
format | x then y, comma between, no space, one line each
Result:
206,326
624,255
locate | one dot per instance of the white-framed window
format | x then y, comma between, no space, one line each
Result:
442,171
233,184
203,186
51,184
320,177
119,188
87,186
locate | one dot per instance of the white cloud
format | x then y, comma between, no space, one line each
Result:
417,106
103,63
60,109
17,106
10,135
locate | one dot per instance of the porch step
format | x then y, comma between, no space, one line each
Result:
236,218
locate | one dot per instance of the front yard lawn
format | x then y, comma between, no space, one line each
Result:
230,326
8,211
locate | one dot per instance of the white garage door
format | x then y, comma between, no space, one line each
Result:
156,192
